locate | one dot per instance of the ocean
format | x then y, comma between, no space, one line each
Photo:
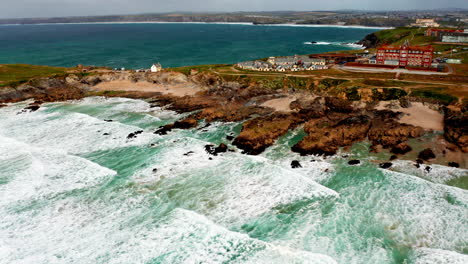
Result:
140,45
74,189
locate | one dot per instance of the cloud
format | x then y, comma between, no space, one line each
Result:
47,8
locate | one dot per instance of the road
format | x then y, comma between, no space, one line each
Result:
380,70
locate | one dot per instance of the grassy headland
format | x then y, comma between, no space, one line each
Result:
16,74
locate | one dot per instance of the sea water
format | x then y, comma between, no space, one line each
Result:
74,189
140,45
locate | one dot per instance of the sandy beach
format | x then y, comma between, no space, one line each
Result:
418,115
280,104
144,86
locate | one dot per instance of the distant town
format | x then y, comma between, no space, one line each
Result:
406,55
447,17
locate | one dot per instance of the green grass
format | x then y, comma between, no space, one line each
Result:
200,68
385,83
398,36
437,93
16,74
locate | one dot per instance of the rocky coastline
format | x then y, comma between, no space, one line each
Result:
329,122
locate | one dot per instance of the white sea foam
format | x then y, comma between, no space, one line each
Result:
70,131
40,172
208,23
59,208
436,174
438,256
74,230
230,188
351,45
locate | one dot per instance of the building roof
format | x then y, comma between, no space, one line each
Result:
395,47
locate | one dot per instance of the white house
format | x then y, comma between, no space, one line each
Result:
156,67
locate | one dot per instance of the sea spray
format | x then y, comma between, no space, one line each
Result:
70,193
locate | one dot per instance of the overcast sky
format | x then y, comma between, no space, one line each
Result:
48,8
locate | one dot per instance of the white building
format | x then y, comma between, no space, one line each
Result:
156,67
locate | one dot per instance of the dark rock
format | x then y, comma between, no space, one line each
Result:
230,138
354,162
345,156
401,149
108,120
222,148
456,128
370,41
106,134
426,154
404,102
428,169
134,134
31,108
155,170
393,157
385,165
295,164
417,165
212,150
183,124
205,126
420,161
454,165
3,105
163,130
188,153
338,105
210,158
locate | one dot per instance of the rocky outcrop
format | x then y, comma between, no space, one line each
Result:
259,133
182,124
387,132
326,136
45,89
310,108
401,149
456,128
426,154
230,113
370,41
212,150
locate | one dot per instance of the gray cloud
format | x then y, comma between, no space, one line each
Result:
47,8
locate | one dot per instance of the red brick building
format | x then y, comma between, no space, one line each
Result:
405,55
435,32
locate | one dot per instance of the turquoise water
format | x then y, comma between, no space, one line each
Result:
70,194
140,45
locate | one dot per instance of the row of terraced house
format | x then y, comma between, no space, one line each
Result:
282,64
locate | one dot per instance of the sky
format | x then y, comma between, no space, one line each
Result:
57,8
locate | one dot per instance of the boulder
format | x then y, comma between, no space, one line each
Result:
428,169
385,165
134,134
182,124
454,164
212,150
401,149
354,162
456,128
296,164
426,154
